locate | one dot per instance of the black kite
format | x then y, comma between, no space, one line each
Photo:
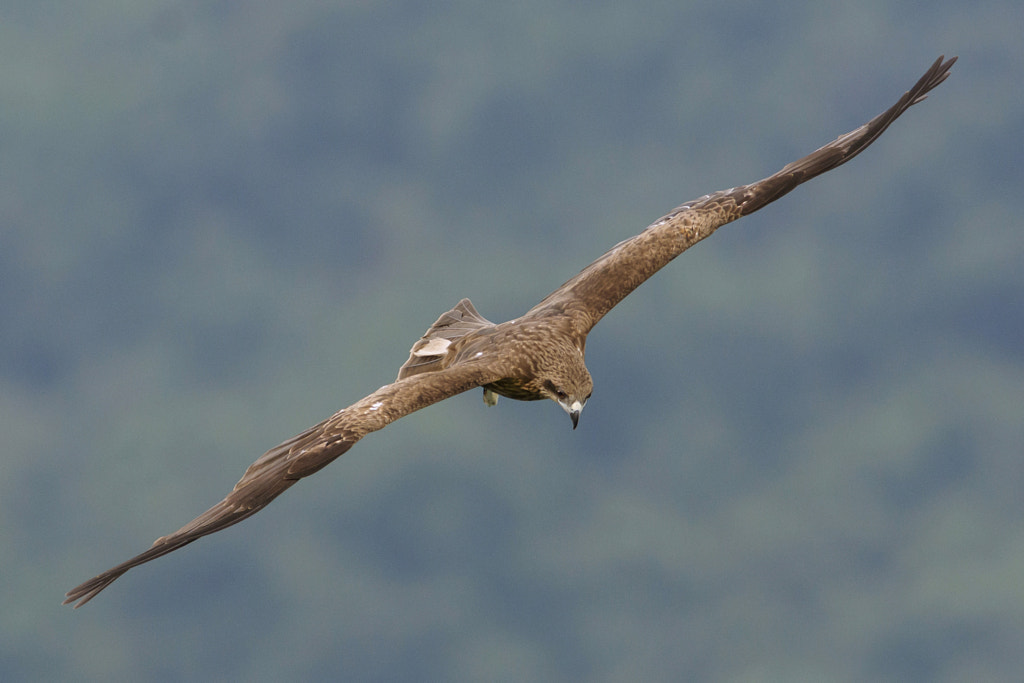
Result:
536,356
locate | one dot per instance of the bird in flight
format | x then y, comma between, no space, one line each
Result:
536,356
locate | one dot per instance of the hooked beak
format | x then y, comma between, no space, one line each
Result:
574,412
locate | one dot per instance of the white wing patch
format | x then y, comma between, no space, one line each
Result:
377,405
434,347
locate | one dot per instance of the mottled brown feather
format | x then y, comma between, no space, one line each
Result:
593,292
282,466
453,325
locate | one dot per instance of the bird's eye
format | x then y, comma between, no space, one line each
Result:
550,386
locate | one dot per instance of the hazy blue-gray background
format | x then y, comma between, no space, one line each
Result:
222,221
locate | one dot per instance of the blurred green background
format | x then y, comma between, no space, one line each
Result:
222,221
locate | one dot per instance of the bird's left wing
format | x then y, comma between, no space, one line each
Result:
588,296
282,466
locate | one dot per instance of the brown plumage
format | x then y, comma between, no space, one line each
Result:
536,356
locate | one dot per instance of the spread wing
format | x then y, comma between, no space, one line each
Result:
588,296
282,466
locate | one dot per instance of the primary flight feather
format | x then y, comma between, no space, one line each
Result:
536,356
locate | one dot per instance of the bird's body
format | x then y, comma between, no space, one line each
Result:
530,350
539,355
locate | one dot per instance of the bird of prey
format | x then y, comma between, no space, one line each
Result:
536,356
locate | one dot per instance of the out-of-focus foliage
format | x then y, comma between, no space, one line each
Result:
220,222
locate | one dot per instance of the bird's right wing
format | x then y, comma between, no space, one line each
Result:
282,466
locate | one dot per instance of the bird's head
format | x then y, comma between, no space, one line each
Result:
570,386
